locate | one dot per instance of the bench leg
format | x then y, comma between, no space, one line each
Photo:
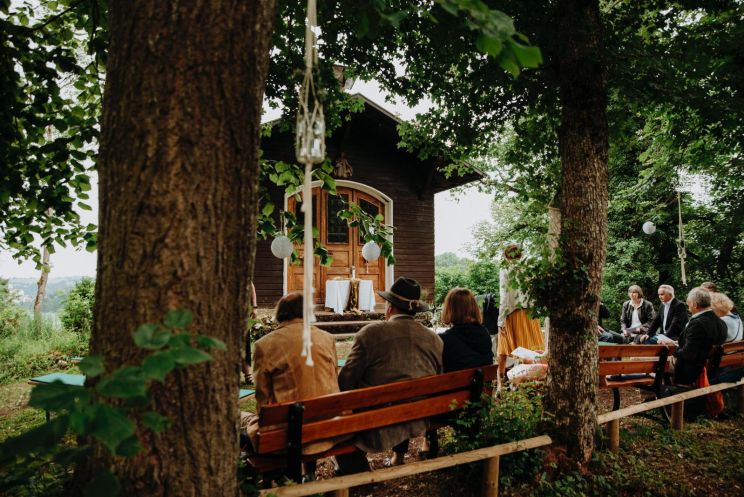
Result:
615,399
678,415
740,390
341,492
613,432
491,477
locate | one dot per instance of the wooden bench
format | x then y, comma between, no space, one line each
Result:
633,366
285,428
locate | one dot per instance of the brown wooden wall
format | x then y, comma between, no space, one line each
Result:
377,162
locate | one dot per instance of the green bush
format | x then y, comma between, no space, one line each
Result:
11,314
38,347
77,311
512,415
480,277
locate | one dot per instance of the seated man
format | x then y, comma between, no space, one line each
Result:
399,348
703,331
669,321
280,371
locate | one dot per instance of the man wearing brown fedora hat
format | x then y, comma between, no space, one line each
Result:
399,348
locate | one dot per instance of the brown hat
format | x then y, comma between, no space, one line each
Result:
405,294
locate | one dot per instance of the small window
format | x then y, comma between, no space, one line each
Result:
338,230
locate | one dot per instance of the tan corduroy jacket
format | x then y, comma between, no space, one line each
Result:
281,374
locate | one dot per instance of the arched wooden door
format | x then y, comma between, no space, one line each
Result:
342,241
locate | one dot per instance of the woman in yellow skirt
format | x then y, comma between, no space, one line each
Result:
516,329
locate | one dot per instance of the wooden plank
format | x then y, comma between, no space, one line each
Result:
733,347
732,360
415,468
678,415
647,406
332,404
276,439
628,367
611,351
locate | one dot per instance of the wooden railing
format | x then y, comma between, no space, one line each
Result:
339,486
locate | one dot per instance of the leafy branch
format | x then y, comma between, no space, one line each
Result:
111,409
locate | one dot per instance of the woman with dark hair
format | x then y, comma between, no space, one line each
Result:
637,314
467,343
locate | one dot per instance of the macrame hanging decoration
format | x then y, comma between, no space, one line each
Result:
309,149
681,251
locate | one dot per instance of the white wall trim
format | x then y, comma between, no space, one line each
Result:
374,192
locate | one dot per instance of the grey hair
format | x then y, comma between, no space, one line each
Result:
700,297
667,289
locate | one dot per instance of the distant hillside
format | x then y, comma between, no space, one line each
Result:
57,290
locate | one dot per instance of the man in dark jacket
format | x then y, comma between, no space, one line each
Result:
704,330
400,348
669,321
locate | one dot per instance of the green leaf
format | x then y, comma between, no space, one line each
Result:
57,396
129,447
111,426
155,421
158,365
103,484
178,318
526,56
208,342
268,209
80,421
123,383
488,44
189,355
92,366
151,336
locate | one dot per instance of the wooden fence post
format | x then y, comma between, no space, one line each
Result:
613,431
740,389
341,492
678,415
491,477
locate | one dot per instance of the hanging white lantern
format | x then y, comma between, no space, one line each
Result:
371,251
281,247
649,227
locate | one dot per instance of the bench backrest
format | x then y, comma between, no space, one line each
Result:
610,365
368,408
728,354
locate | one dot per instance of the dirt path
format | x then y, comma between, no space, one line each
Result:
13,398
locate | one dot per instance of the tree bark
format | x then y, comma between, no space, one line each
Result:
178,173
42,283
572,379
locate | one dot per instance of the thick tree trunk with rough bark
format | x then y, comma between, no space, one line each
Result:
572,381
178,192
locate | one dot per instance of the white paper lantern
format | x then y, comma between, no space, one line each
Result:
281,247
371,251
649,227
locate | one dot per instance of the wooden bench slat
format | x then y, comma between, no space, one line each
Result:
628,367
611,351
353,400
276,439
732,360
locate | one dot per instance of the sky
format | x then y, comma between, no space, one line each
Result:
454,218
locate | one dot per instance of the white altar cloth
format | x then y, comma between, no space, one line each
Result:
337,295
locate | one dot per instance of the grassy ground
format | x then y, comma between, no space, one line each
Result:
33,350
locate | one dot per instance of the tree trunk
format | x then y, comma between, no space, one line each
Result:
42,283
572,381
178,176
